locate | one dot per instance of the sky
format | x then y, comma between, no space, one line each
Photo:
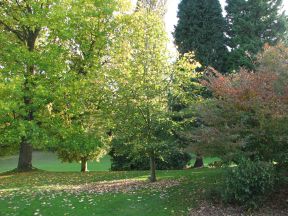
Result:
171,16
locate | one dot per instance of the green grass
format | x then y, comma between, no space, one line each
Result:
206,160
23,194
48,161
41,192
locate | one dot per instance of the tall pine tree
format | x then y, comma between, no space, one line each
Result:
251,24
200,29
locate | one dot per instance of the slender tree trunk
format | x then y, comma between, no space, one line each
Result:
199,162
152,177
84,167
25,156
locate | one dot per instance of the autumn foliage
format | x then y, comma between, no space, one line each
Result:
248,114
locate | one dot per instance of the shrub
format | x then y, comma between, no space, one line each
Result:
216,164
174,159
249,182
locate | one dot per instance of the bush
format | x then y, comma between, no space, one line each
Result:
216,164
249,182
174,159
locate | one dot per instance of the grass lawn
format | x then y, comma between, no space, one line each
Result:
56,193
62,190
48,161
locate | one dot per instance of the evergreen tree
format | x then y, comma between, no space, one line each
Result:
251,24
200,29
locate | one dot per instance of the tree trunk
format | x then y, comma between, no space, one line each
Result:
84,167
199,162
25,152
152,177
25,156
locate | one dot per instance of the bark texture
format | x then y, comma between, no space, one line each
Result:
199,162
152,177
25,156
84,167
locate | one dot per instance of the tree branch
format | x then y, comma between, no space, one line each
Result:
10,29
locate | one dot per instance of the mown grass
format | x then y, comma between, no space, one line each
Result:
48,161
23,194
38,193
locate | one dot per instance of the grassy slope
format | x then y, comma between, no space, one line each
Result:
31,200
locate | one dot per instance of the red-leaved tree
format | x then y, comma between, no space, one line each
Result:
249,111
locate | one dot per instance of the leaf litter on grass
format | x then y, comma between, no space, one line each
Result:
102,187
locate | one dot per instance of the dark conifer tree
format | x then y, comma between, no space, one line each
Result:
251,24
200,29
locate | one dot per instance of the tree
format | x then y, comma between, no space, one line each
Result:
85,113
152,5
248,116
188,92
125,159
251,24
141,86
142,94
54,65
82,146
30,63
200,29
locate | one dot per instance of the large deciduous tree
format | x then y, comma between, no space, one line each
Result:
251,24
54,79
30,63
200,29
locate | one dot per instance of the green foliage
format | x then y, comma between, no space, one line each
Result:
186,87
251,24
145,79
171,158
200,29
216,164
30,72
152,5
142,81
249,182
84,115
188,92
79,146
54,66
